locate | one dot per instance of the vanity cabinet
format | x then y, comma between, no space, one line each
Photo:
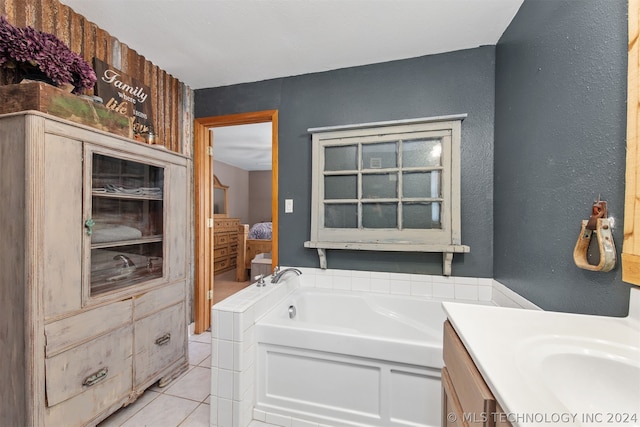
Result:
93,270
466,398
225,238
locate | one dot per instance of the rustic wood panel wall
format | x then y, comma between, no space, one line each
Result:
171,99
631,246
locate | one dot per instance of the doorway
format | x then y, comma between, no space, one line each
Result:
203,184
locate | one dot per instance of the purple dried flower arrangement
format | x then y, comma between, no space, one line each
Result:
28,49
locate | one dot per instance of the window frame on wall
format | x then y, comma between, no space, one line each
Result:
443,197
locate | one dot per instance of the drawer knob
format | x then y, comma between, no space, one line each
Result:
163,339
95,377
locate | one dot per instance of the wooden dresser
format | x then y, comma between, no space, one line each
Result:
225,241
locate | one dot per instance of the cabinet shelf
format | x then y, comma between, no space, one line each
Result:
117,175
116,282
125,196
150,239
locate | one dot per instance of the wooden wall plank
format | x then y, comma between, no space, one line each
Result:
177,115
62,24
102,45
4,7
631,244
115,56
124,58
89,45
187,122
142,66
153,83
167,110
33,12
76,32
173,113
18,14
160,134
8,9
41,12
89,38
49,11
132,61
145,75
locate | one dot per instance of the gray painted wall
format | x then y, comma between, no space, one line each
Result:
560,130
559,75
451,83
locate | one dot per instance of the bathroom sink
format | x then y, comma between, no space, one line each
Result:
586,376
547,368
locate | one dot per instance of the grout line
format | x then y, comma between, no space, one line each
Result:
189,414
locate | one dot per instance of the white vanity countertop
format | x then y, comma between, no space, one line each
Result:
556,368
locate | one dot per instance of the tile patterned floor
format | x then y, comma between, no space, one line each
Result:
184,402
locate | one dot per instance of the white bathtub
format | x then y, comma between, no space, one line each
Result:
351,359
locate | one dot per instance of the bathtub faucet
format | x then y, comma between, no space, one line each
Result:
276,277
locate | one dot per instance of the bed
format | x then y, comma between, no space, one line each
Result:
252,241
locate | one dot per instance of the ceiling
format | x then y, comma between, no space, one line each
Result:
246,147
212,43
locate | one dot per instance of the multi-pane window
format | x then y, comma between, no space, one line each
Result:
393,184
387,184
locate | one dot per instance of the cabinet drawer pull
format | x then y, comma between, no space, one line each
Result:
163,339
95,377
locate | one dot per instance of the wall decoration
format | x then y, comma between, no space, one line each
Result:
171,100
37,55
127,96
51,100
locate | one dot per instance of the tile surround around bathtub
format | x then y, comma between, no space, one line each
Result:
233,351
233,343
462,288
505,297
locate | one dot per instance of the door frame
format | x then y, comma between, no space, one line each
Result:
203,183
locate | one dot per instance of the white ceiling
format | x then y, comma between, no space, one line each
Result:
211,43
246,147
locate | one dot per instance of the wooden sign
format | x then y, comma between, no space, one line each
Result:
125,95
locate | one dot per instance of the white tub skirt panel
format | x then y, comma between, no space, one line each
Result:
344,390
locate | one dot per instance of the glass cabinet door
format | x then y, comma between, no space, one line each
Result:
125,223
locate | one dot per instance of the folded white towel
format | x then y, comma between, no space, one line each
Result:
103,233
140,191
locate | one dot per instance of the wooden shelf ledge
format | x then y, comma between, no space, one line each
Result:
446,250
